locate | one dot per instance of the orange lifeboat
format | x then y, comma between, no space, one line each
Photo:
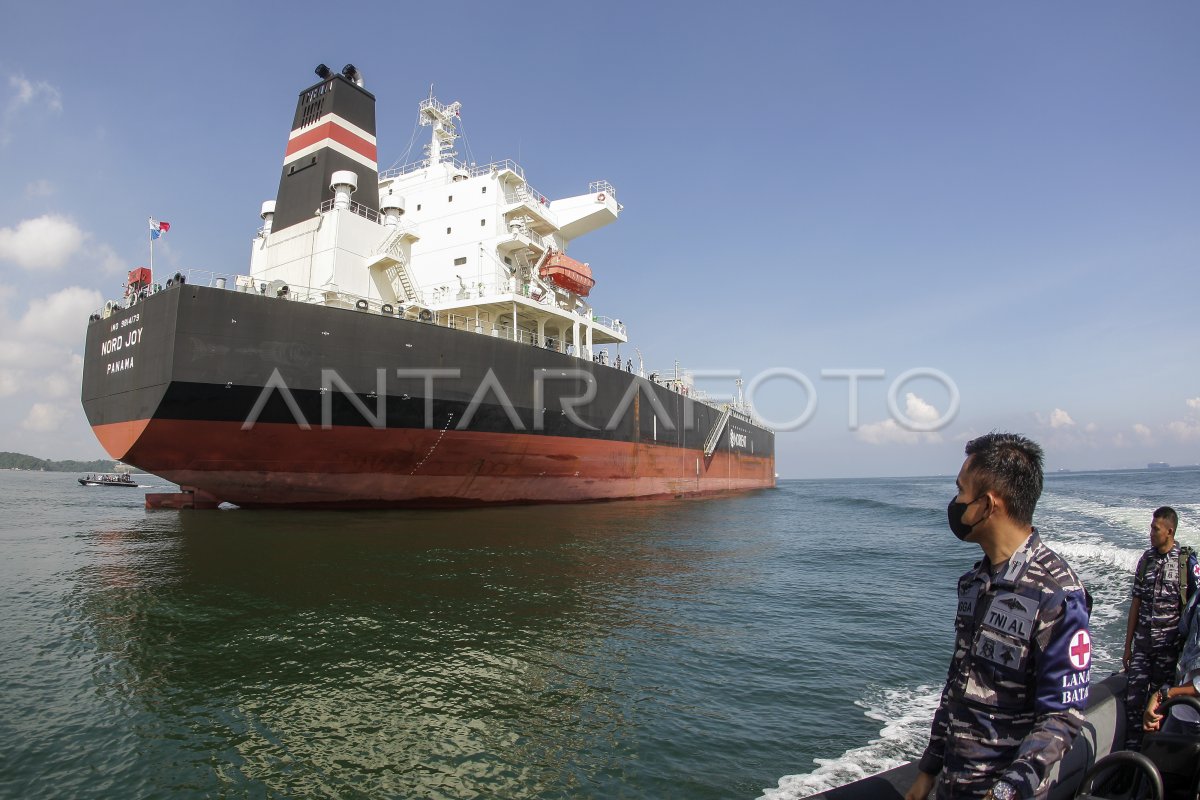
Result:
562,270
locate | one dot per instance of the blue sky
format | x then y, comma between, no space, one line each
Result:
1005,192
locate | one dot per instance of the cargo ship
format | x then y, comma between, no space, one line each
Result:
412,337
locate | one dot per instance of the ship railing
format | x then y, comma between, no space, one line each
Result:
481,322
356,208
472,170
682,381
533,236
602,186
532,197
610,323
448,293
219,280
396,172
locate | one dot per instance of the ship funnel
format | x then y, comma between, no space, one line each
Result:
343,183
333,130
267,214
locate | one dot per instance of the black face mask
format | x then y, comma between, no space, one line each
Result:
954,514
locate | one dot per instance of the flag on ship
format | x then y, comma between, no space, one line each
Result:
157,228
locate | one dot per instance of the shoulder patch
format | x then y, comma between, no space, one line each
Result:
1080,649
1013,615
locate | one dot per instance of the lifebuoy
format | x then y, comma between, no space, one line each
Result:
600,197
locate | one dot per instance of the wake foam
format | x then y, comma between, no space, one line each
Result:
1108,562
905,714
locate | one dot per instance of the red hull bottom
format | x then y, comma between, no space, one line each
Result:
283,465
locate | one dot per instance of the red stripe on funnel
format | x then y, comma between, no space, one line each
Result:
331,130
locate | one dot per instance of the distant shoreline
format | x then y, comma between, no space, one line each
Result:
20,462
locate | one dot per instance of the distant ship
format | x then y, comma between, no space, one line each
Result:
1158,465
416,337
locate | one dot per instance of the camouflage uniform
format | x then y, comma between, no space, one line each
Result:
1018,681
1156,633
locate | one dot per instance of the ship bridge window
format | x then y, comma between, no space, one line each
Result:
482,222
450,199
460,261
483,190
447,230
418,206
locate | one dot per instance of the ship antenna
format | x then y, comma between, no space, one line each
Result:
441,119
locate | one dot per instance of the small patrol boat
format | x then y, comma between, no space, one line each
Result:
108,479
1095,768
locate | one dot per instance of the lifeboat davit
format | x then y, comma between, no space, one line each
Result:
562,270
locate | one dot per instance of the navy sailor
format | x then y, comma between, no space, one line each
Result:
1019,677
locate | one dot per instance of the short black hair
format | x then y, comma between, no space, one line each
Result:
1168,513
1010,465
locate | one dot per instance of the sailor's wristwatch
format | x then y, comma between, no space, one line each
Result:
1163,693
1003,791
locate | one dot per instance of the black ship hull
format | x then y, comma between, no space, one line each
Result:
259,401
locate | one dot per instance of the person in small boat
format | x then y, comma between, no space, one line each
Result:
1019,677
1183,719
1165,578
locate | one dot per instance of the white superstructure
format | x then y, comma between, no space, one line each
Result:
452,243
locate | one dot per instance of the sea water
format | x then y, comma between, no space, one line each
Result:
766,645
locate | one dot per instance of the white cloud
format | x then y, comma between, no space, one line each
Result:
59,384
28,92
889,431
45,242
1185,430
43,417
110,262
1188,428
27,95
10,382
60,318
39,188
1060,419
1143,432
1091,427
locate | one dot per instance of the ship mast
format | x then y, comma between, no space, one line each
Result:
441,119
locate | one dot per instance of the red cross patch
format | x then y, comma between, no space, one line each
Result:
1080,651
